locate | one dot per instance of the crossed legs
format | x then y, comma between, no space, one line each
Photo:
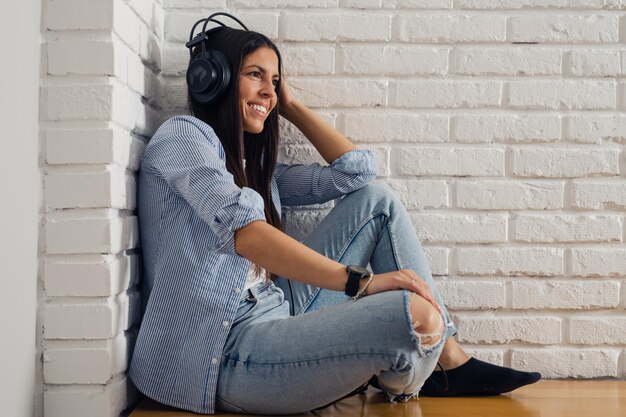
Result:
371,226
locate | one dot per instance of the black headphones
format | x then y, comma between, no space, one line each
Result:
209,72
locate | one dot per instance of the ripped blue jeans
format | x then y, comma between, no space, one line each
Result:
294,348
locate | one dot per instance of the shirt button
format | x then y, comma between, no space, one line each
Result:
237,290
214,361
225,323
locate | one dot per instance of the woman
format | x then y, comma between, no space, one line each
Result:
220,330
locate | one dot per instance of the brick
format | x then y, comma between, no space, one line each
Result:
141,39
510,61
563,95
383,156
568,228
178,25
597,330
506,128
567,362
193,4
407,127
301,154
97,319
596,128
602,262
448,160
93,146
174,95
175,60
393,60
399,4
103,188
338,92
593,28
80,57
437,259
451,28
460,228
78,102
609,194
555,294
289,133
472,295
151,13
341,26
445,94
85,14
130,112
510,4
265,22
308,60
86,365
494,356
286,4
90,400
420,194
96,234
92,276
595,63
539,4
489,330
564,162
137,74
509,261
509,195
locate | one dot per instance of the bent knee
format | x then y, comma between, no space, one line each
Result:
378,190
426,320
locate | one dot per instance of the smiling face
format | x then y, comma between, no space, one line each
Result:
257,83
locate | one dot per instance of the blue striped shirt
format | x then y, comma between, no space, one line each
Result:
189,208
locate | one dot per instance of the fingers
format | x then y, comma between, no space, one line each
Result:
418,286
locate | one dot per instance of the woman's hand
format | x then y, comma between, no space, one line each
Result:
404,279
285,98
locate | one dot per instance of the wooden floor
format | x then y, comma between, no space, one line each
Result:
543,399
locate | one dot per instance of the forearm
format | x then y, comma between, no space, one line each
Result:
328,141
282,255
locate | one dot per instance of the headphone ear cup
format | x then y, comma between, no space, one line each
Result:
208,76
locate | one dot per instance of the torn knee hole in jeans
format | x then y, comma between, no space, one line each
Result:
428,340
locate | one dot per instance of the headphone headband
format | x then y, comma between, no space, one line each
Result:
202,36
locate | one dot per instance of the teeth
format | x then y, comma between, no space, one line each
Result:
259,108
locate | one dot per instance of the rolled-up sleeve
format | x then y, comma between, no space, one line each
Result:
316,184
188,162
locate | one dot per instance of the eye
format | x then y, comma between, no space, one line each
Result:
255,74
276,81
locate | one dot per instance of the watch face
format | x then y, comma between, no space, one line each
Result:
358,270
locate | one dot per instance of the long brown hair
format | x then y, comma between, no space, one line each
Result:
259,150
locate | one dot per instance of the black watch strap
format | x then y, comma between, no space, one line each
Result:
355,275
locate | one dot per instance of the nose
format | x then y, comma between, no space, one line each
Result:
267,89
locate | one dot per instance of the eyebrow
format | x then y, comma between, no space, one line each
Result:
261,69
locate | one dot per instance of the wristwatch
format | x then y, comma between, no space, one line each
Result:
355,275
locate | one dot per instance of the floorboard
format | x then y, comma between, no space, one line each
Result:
548,398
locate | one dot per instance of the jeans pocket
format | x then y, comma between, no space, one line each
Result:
245,309
223,405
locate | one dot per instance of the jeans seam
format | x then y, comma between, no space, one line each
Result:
397,359
343,250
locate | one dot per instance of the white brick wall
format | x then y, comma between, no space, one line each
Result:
501,127
499,124
100,85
